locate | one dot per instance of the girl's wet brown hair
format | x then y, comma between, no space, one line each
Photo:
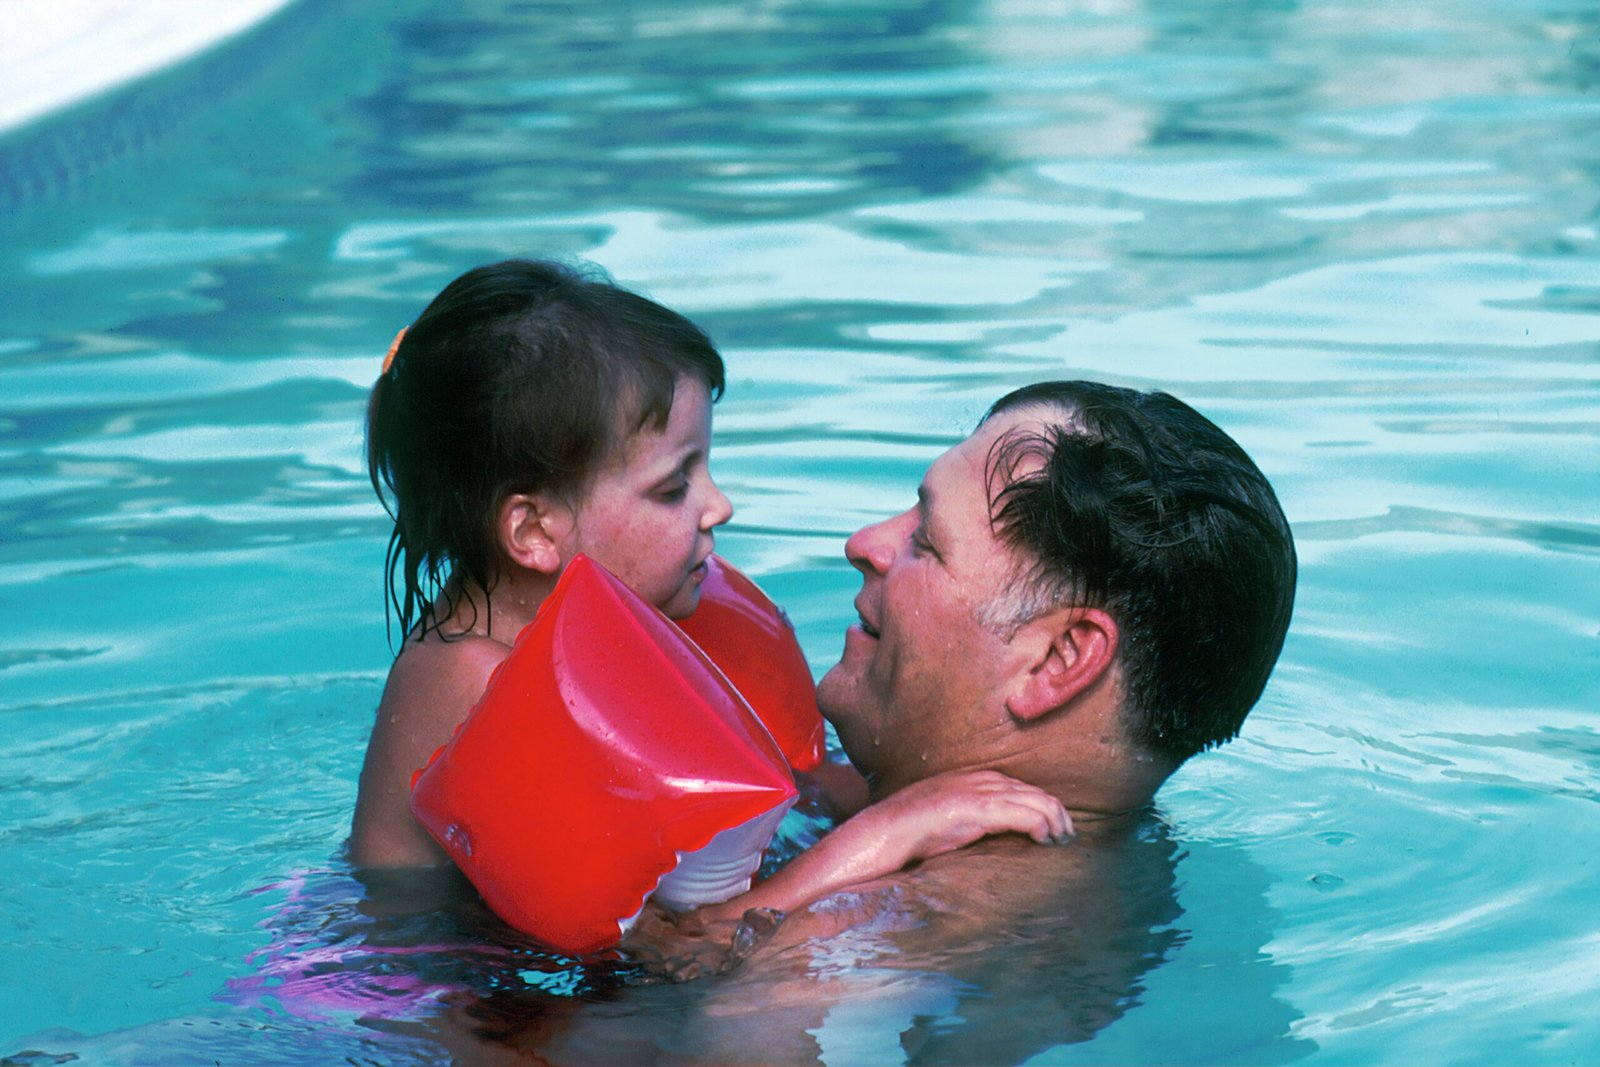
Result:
519,377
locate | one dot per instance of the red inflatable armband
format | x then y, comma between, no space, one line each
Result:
606,748
752,641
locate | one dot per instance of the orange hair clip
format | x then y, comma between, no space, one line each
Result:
394,346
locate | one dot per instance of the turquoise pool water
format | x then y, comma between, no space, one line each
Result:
1362,237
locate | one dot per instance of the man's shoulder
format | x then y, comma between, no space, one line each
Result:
944,899
1101,879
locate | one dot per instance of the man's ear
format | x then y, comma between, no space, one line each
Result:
531,529
1066,652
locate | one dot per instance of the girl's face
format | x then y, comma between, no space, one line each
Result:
649,514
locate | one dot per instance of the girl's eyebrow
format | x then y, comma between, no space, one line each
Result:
682,466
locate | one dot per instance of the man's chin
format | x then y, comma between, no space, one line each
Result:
838,700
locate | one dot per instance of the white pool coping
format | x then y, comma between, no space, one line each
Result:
56,53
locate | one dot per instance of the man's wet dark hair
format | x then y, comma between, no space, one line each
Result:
1137,504
520,377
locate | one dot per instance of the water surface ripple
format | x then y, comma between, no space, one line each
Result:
1362,237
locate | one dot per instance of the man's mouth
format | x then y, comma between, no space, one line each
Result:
866,627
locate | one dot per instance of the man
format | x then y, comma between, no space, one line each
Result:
1090,589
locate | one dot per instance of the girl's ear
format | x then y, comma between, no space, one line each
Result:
1066,653
533,531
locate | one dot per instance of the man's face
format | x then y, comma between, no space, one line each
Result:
921,679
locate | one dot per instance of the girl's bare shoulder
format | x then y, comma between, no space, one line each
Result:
436,678
432,687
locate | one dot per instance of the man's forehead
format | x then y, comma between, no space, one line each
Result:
956,491
969,461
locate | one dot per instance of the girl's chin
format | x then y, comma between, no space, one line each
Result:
683,603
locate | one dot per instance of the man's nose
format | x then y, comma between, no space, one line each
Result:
871,549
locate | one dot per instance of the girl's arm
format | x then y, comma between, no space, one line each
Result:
924,819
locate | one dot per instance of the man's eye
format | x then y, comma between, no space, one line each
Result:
920,544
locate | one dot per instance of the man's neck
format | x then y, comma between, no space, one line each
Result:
1097,784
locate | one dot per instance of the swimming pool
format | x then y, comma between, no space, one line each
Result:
1364,239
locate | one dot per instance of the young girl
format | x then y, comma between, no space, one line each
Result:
533,412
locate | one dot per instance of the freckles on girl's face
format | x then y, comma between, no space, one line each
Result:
649,515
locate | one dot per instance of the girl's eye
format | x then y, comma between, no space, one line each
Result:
673,493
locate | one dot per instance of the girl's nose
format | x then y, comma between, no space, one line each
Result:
718,509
